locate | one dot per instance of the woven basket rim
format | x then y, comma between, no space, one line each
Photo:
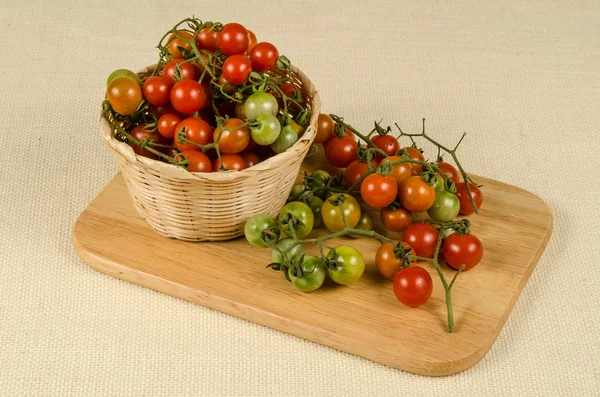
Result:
124,151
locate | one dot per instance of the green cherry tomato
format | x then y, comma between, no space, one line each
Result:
303,213
296,191
255,226
284,244
285,140
265,129
437,182
119,73
260,103
350,264
445,207
313,274
316,204
365,223
319,180
332,216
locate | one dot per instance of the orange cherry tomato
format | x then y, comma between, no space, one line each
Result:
415,155
401,171
232,162
416,195
378,191
175,43
124,95
325,128
395,220
387,263
234,138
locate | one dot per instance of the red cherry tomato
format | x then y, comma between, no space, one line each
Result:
413,286
207,39
251,41
187,96
236,69
355,171
187,71
250,158
379,191
422,237
264,56
415,155
167,123
199,162
233,39
340,152
395,220
449,170
156,90
234,138
161,110
231,162
387,143
139,134
196,130
463,197
461,250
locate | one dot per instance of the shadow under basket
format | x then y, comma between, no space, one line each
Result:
211,206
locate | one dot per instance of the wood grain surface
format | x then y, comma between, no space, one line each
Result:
365,318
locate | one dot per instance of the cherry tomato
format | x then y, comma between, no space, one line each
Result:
139,133
340,152
445,207
415,155
255,226
316,205
285,140
379,191
187,96
413,286
167,123
463,197
250,158
265,129
422,237
176,44
461,250
196,130
284,244
449,170
325,128
231,162
320,179
227,86
264,56
240,113
234,138
303,213
124,95
251,41
355,171
416,195
313,274
236,69
401,171
387,263
387,143
332,215
206,39
350,264
161,110
199,162
365,223
186,70
289,89
156,90
233,39
260,103
122,73
395,220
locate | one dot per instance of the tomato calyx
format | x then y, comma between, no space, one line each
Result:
292,221
402,252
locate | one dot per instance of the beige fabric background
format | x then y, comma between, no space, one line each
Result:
522,77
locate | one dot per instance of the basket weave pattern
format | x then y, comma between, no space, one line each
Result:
210,206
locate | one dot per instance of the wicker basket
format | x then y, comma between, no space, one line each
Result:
210,206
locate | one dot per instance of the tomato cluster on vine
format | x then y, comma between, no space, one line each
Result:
217,100
376,173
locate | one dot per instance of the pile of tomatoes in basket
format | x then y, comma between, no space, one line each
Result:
217,100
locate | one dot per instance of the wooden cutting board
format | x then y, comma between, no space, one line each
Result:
365,318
